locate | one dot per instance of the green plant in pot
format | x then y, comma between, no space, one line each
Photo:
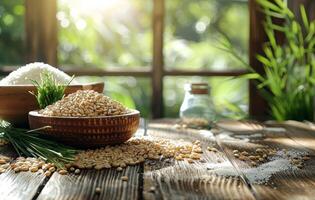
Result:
289,81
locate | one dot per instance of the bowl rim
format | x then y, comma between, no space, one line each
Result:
74,85
34,113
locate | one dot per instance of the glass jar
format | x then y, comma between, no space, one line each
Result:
197,108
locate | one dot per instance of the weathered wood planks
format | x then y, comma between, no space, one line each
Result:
181,180
83,186
170,179
302,134
290,184
23,185
20,186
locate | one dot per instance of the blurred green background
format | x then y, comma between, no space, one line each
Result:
107,34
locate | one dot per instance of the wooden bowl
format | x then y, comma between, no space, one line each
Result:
87,132
16,101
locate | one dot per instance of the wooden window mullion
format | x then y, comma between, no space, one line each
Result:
257,105
41,31
158,60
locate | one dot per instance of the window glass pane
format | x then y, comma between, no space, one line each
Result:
105,33
230,95
132,92
192,33
11,32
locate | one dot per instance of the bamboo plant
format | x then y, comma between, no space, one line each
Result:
289,79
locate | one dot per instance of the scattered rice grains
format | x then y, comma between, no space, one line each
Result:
264,163
4,163
3,142
196,123
124,178
136,151
132,152
98,190
34,165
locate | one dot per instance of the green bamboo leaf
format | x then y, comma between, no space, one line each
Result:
267,4
278,51
312,80
311,32
270,32
262,85
280,3
284,81
277,114
289,14
274,14
250,76
263,60
310,46
304,17
277,27
294,48
269,53
294,27
307,71
273,83
226,45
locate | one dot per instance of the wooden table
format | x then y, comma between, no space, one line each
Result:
178,179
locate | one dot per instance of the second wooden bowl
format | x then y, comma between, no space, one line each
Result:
87,132
16,101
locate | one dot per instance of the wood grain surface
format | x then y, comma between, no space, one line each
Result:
83,186
170,179
23,185
289,184
181,180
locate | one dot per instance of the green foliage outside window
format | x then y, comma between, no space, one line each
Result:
119,34
11,32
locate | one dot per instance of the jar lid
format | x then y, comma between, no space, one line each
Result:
197,88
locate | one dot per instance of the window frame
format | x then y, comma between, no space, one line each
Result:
42,42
